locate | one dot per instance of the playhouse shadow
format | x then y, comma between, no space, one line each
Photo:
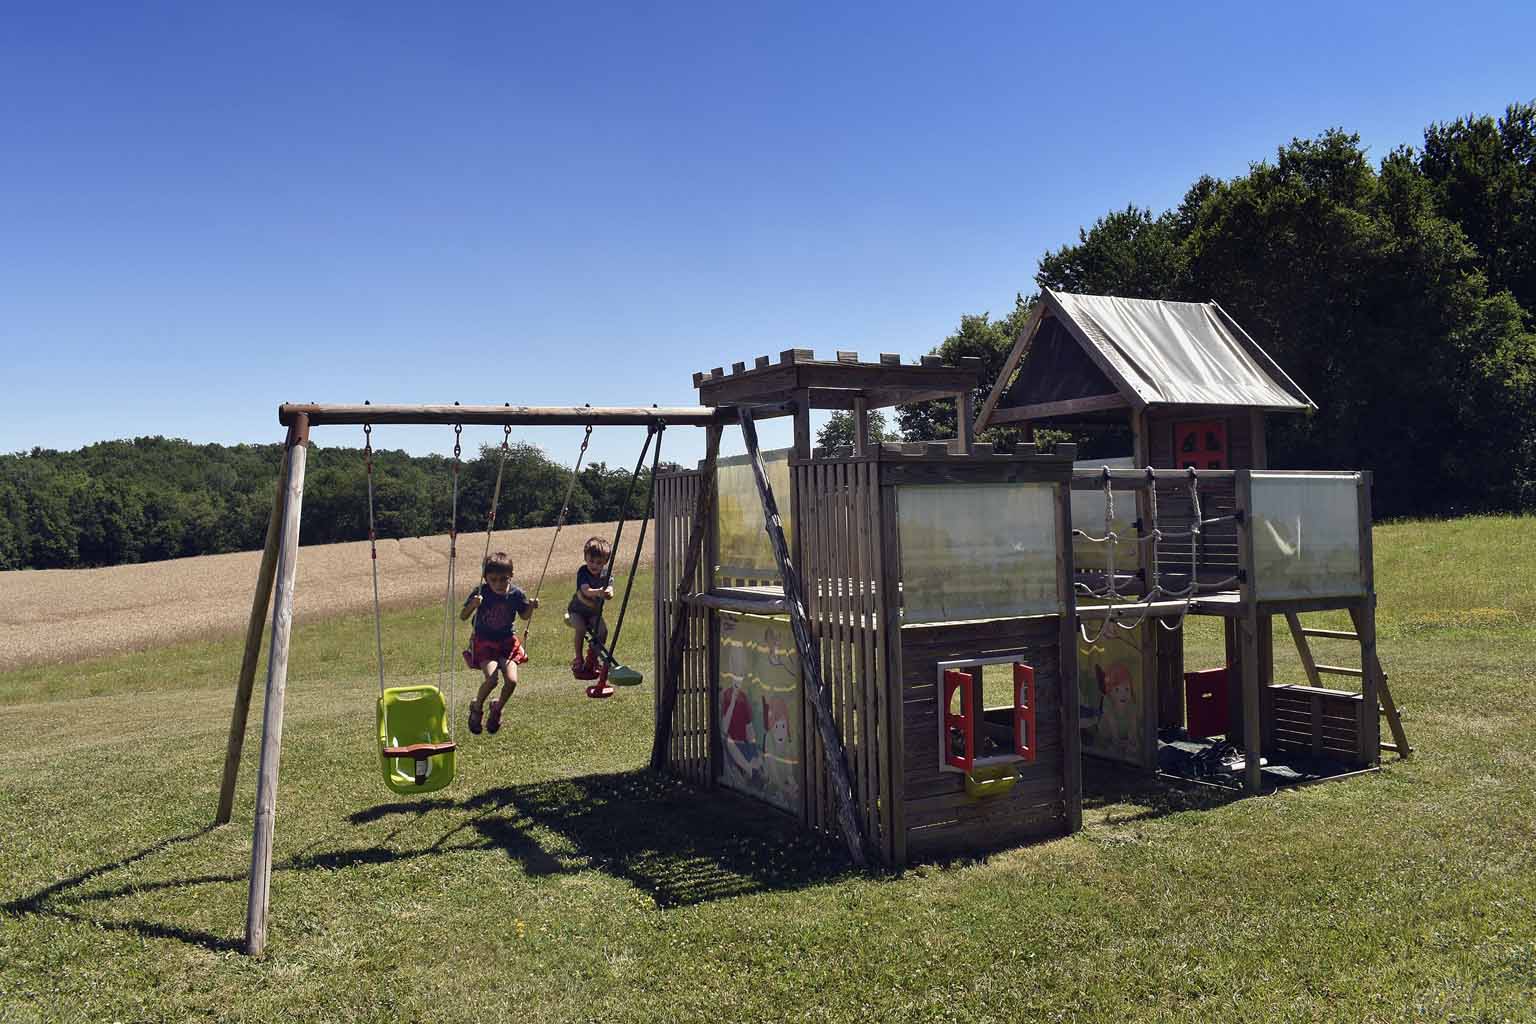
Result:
1120,795
657,834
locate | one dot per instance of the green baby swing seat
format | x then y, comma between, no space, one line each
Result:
415,752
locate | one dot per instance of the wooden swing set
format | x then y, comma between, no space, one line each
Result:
406,714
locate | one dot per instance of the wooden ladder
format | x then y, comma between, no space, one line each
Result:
1315,671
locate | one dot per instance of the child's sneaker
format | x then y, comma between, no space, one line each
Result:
493,721
474,717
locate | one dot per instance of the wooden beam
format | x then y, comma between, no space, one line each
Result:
526,415
861,426
1047,410
810,668
745,605
667,697
1021,343
253,631
277,686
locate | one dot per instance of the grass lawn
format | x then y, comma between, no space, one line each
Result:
559,880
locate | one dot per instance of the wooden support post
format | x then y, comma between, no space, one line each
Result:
253,630
676,633
810,667
1364,617
1066,660
861,426
277,684
803,440
965,423
1248,631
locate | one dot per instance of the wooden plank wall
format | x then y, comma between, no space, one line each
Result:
940,818
689,755
838,525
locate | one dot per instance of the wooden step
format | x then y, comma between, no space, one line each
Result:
1340,670
1331,634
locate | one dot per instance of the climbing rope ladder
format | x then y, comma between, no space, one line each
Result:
1152,574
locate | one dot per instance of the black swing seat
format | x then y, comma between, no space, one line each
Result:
416,751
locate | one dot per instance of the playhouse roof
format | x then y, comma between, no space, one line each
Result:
1083,353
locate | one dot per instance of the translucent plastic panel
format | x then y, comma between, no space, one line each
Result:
744,548
1088,515
1306,535
977,551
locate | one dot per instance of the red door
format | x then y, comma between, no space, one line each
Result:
1201,444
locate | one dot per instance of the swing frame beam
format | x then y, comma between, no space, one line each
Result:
279,563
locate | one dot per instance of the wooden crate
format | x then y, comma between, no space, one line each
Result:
1313,720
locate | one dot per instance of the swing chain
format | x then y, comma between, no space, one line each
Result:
565,507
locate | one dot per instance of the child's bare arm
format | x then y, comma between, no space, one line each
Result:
470,604
527,610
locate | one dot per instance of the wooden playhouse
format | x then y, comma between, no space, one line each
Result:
918,570
905,645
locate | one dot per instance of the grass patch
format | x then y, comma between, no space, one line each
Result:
558,880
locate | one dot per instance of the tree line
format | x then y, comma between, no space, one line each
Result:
1399,294
153,498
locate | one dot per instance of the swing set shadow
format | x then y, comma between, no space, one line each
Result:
646,829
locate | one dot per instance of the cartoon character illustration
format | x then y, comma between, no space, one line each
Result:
740,738
1111,725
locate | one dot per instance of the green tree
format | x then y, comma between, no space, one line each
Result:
838,431
990,341
1483,177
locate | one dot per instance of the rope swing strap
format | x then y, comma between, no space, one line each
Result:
373,553
565,507
490,517
450,631
650,502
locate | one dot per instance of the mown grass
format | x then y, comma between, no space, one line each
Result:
558,880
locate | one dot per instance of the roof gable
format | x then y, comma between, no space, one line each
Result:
1147,351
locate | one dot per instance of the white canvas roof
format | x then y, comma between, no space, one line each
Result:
1176,353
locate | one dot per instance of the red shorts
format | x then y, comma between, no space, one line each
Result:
502,651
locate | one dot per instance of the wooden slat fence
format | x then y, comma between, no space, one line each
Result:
838,522
689,752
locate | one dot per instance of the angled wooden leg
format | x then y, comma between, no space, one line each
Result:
253,631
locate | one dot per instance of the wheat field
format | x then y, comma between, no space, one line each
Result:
51,616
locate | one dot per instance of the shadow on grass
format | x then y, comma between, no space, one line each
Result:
678,845
1121,795
666,838
42,902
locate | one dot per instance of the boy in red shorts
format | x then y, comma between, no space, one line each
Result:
494,649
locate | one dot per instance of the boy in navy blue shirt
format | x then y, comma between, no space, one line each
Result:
495,649
585,610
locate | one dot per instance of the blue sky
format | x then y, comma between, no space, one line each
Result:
207,209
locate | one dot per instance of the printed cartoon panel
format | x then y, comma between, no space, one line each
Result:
1111,691
759,706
